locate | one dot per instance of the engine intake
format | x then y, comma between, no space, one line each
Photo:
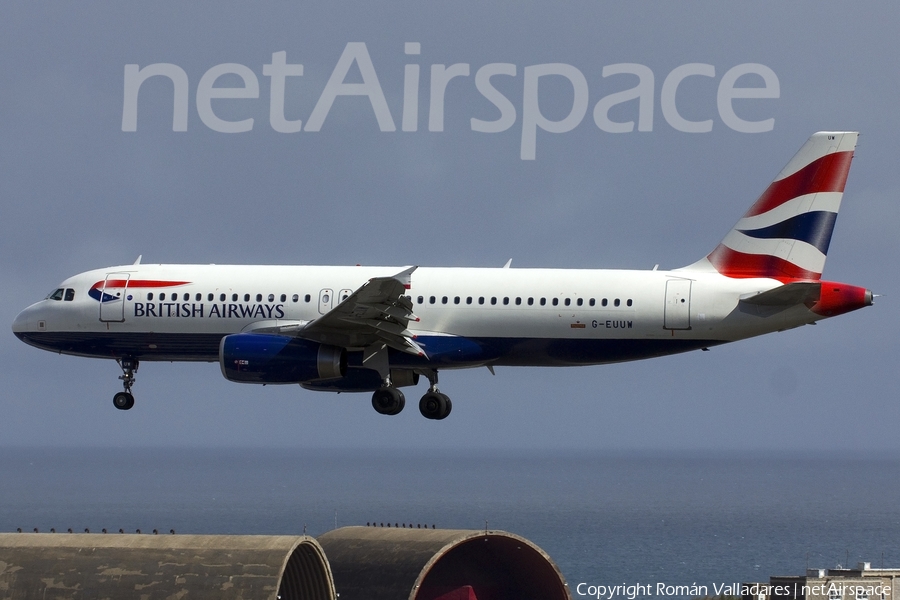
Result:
270,358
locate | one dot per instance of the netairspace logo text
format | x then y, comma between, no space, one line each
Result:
832,589
528,116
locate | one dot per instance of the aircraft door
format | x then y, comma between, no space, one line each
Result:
678,304
112,297
326,300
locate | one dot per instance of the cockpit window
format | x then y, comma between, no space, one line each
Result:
70,294
56,295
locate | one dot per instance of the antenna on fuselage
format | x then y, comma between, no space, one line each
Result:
138,261
509,262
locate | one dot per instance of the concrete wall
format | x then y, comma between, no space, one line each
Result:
79,566
363,563
376,563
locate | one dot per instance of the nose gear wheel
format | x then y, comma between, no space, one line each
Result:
124,400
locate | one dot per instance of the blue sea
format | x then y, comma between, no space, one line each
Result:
605,519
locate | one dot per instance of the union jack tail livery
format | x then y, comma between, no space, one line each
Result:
785,234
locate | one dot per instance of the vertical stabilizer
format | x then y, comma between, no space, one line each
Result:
786,233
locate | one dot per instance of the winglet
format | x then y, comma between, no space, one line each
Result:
405,276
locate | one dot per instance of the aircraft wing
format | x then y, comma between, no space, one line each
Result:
378,312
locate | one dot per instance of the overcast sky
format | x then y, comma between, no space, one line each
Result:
77,193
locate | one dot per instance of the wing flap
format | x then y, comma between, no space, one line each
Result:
376,312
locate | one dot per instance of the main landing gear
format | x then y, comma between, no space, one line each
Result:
124,400
388,400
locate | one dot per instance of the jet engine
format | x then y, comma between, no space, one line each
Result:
271,358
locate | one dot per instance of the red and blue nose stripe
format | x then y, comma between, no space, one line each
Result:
96,292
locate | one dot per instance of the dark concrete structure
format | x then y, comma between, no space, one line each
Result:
381,563
156,567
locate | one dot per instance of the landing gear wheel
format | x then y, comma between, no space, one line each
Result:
388,401
123,401
435,405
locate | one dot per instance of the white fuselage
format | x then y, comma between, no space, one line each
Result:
525,316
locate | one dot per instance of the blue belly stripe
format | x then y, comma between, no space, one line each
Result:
445,352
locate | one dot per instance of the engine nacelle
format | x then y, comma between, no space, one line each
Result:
363,380
270,358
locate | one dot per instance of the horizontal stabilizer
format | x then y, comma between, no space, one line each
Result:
790,294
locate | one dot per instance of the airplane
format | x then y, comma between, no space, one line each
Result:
377,329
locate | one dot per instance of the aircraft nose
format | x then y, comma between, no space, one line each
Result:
24,323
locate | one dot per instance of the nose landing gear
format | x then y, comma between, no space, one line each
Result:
124,400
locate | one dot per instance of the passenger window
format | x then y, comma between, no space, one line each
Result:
221,297
271,297
284,297
187,297
209,297
628,302
295,298
556,302
444,300
604,302
456,300
568,301
505,300
162,296
149,295
246,297
616,302
494,300
592,302
469,300
259,297
543,301
518,301
530,301
580,301
307,298
420,299
234,297
480,299
431,300
56,294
